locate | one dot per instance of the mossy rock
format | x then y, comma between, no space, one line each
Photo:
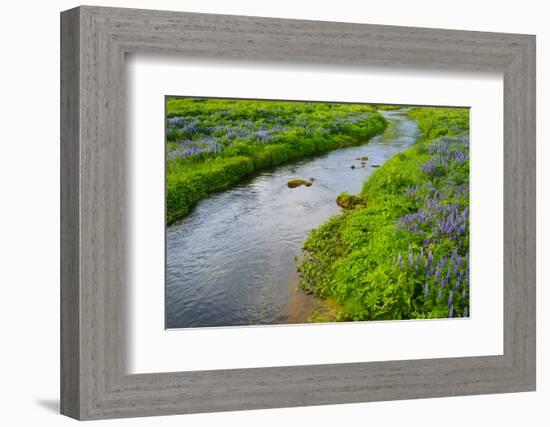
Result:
350,201
293,183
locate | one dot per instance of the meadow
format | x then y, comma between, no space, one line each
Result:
211,144
400,249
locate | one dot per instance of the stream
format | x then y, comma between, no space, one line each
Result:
231,261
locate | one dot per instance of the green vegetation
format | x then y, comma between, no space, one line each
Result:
405,254
388,107
434,122
214,143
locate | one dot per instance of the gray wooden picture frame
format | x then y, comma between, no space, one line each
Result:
94,381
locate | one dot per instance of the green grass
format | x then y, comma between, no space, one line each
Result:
388,107
214,143
376,268
434,122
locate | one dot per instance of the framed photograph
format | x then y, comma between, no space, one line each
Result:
261,213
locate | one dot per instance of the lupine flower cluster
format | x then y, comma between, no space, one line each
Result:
199,139
438,258
342,123
210,133
439,217
189,148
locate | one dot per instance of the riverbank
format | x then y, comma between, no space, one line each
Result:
213,144
404,253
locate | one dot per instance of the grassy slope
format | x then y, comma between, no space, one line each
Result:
190,180
352,258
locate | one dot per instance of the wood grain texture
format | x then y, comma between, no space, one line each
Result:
94,381
70,292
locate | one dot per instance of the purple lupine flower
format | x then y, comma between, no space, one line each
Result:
442,217
451,312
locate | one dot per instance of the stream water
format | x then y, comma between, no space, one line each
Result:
232,260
